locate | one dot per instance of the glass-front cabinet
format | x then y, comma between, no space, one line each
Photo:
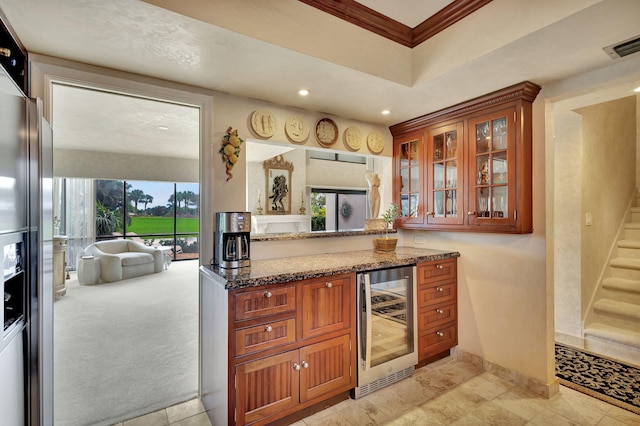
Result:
491,179
409,178
445,174
474,171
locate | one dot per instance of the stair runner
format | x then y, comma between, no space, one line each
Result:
615,330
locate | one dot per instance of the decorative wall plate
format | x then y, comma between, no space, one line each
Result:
353,138
263,122
326,132
375,142
296,129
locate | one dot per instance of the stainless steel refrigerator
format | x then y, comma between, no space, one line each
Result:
26,223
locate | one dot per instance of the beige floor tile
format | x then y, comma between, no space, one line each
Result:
364,413
484,388
198,420
435,381
415,417
609,421
413,391
520,402
389,402
624,416
443,410
549,418
327,411
157,418
470,420
186,409
497,416
575,409
334,419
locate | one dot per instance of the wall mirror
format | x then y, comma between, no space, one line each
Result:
311,171
278,179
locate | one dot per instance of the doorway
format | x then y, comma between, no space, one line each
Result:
126,348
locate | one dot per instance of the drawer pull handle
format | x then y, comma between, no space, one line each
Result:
305,364
439,311
439,289
296,366
328,285
440,333
268,328
439,266
267,294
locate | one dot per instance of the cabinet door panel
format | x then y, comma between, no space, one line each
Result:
325,368
266,387
408,172
255,304
326,306
492,169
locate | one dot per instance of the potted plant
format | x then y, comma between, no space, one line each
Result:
389,216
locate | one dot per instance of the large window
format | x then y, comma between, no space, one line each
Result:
154,213
338,210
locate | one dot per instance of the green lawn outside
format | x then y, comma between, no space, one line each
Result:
162,225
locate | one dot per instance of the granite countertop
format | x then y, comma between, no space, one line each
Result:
282,270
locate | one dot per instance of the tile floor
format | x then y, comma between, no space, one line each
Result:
448,392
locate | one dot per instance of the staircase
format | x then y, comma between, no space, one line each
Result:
613,327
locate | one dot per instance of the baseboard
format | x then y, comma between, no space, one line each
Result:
545,390
569,340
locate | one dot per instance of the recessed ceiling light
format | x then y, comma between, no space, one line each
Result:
386,111
637,89
303,92
163,128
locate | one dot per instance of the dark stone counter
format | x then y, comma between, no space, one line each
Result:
282,270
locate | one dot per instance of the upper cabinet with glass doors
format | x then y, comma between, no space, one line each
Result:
475,168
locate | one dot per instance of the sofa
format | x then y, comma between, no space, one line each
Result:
123,259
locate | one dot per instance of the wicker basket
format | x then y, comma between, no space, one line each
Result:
385,244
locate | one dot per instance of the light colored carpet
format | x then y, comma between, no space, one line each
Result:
127,348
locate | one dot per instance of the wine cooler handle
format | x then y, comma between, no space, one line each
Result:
367,332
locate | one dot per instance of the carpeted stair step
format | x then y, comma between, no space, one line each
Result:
608,340
632,231
621,290
629,248
619,314
635,213
625,267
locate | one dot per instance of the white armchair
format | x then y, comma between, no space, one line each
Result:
123,259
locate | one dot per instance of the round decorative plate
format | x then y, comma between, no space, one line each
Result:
296,129
263,123
353,138
326,132
375,142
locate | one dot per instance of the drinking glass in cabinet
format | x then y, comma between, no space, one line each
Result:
483,135
499,201
500,134
438,203
499,168
452,203
438,176
482,196
452,173
404,179
408,154
438,147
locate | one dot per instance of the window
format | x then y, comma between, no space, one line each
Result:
338,210
154,213
332,156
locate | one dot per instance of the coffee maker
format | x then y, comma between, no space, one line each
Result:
232,238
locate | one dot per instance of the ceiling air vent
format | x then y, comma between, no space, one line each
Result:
624,48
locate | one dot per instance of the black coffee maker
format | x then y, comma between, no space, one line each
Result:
232,238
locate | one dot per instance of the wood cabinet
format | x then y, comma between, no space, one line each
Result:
468,167
291,347
437,309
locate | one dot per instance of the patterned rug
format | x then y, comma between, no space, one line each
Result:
599,377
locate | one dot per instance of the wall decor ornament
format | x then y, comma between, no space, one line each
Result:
353,138
263,122
297,129
375,142
230,150
326,132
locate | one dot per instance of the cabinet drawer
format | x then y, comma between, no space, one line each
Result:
436,316
265,336
437,340
428,296
259,303
436,271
